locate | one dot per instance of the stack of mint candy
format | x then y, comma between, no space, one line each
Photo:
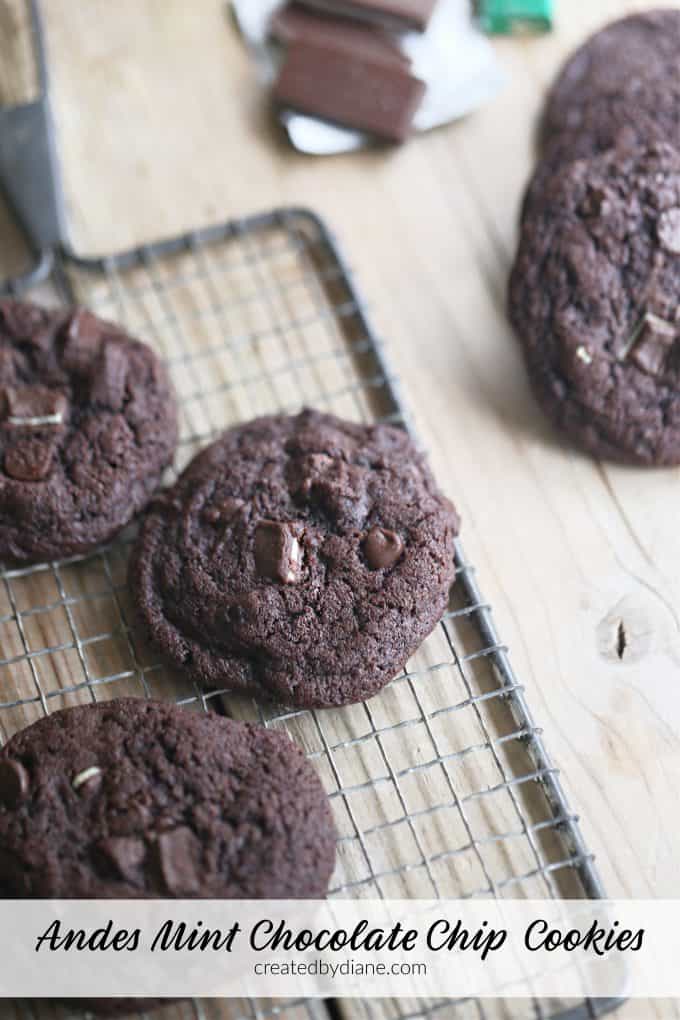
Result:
425,63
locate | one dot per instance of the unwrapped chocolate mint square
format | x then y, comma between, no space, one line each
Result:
294,23
653,345
355,90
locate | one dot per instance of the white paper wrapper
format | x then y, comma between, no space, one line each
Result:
454,58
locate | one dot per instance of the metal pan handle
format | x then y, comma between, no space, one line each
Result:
29,174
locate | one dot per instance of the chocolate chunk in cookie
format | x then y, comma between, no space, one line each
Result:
278,553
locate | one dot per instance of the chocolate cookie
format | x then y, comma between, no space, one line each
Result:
620,89
595,298
299,558
87,425
135,798
623,76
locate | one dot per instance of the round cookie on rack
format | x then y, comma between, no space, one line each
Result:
594,298
87,425
624,76
140,799
302,559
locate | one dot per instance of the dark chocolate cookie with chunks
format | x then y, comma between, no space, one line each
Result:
595,298
300,558
620,89
141,799
624,76
87,425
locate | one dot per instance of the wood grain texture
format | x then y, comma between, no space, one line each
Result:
18,68
163,126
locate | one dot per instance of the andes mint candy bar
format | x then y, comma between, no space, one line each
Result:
178,855
353,90
110,377
278,554
653,345
34,407
292,23
88,779
397,15
502,17
82,342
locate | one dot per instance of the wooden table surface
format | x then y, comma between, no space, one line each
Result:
163,126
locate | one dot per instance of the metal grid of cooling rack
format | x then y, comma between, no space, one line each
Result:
441,785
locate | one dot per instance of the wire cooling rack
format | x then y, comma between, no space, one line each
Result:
441,785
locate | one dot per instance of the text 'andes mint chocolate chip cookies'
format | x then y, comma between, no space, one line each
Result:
138,799
595,299
87,426
303,559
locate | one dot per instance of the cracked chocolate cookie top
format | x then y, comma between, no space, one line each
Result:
87,425
135,798
623,78
300,558
595,298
